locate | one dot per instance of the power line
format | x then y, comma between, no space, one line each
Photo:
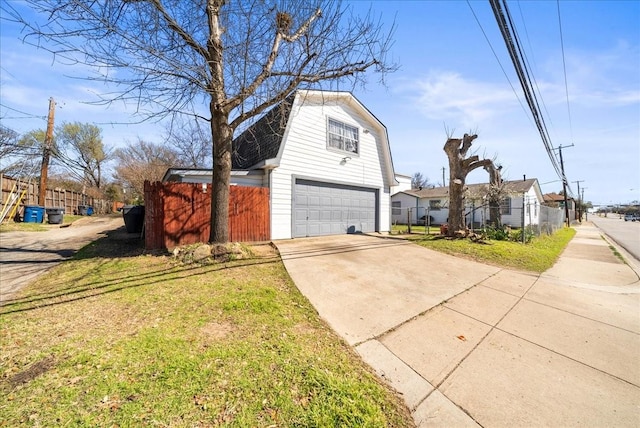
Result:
564,69
27,115
514,49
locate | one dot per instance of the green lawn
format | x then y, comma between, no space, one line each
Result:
143,340
537,256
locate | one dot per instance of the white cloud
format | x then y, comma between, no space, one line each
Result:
450,97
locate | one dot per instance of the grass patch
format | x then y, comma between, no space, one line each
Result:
537,256
403,228
146,341
11,226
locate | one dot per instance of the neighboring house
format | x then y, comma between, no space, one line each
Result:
434,202
557,200
414,205
404,183
326,161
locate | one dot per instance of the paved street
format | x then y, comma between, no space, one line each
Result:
625,233
26,255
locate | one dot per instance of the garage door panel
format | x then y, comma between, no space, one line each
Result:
327,209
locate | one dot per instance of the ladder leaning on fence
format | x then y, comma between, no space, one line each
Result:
17,193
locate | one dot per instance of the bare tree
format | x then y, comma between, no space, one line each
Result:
142,161
192,143
459,167
80,150
239,58
8,142
20,155
419,181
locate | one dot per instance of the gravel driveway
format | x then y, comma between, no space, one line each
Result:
26,255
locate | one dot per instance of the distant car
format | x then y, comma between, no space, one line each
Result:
631,217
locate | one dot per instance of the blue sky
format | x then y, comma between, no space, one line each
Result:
449,78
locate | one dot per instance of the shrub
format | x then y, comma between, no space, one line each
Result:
516,235
497,233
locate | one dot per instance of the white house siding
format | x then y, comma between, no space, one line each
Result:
406,202
531,209
404,183
251,181
440,216
305,155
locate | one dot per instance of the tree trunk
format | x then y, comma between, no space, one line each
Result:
459,166
495,195
457,179
222,139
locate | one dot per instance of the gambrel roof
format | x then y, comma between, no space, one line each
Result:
260,145
261,141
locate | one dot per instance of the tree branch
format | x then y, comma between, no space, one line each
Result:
273,54
172,24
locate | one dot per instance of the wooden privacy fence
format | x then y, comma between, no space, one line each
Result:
54,198
180,214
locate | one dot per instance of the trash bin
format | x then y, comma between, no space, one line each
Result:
133,218
82,209
89,210
33,214
55,215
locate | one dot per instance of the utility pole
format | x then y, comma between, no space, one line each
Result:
564,187
46,154
579,200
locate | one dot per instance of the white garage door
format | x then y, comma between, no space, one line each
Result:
332,209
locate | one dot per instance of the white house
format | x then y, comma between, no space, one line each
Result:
434,202
404,183
326,160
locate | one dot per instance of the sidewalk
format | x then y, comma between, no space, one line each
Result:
512,348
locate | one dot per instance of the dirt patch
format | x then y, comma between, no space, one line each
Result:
264,250
215,330
32,372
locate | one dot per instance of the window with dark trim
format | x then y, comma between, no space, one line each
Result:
341,136
505,206
396,207
435,204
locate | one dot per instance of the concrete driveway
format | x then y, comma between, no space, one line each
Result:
468,344
26,255
364,286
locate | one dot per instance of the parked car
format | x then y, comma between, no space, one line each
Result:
631,217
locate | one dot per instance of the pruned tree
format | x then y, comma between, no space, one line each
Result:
140,161
459,167
495,192
419,181
78,147
237,58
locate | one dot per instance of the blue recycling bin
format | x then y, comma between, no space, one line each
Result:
33,214
85,210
